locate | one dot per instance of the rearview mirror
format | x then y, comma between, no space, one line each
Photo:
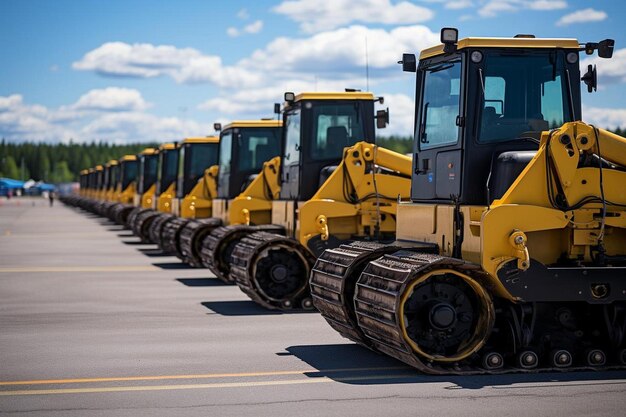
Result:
409,63
276,108
382,118
605,48
591,78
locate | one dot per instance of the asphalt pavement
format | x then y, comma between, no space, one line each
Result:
93,323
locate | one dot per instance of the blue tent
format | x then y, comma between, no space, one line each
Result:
45,187
7,184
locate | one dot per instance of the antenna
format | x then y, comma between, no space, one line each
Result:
367,68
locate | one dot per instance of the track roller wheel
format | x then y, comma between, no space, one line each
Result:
307,304
333,280
492,361
561,358
272,270
596,357
527,359
621,356
192,236
429,311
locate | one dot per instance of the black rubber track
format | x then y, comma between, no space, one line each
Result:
246,258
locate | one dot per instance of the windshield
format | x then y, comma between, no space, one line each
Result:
522,93
292,132
440,108
257,145
335,126
197,158
129,171
169,167
147,172
114,176
226,142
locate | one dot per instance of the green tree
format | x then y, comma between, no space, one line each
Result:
10,169
61,173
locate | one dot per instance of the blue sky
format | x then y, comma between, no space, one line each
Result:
161,70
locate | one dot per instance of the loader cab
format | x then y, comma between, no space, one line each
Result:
166,176
113,179
128,171
481,105
316,129
146,177
195,155
92,183
83,182
244,146
101,182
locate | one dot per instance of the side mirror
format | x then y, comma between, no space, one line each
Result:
409,63
605,48
382,118
591,78
217,127
276,108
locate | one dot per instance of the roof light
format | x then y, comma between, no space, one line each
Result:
449,35
449,38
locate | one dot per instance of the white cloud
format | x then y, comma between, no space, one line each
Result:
458,4
252,28
142,60
243,14
136,126
111,99
20,121
547,4
582,16
232,32
89,118
401,115
493,8
605,117
341,51
320,15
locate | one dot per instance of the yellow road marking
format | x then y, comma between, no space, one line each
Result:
323,379
194,376
121,268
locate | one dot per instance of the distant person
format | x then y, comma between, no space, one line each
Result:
9,194
51,198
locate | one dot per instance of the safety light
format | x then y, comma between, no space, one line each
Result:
290,97
449,38
217,127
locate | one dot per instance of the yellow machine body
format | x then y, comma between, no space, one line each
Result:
111,191
254,204
530,277
84,188
126,195
375,196
163,202
144,200
100,191
198,203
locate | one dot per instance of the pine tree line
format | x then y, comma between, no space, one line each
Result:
57,163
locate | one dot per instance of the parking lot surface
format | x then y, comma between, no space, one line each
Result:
93,323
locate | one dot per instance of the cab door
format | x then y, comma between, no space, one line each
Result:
438,151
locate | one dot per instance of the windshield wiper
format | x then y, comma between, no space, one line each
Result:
440,68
